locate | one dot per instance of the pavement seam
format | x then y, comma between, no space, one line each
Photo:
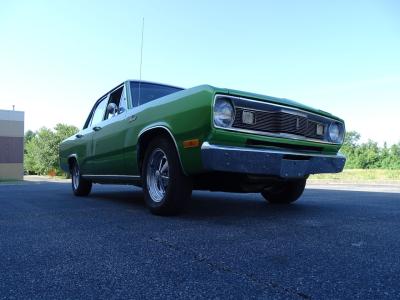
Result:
224,268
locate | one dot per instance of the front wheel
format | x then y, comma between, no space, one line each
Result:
285,192
165,187
80,186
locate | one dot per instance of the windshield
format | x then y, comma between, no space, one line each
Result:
150,91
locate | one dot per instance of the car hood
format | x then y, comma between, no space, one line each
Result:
281,101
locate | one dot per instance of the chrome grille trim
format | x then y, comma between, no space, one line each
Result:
279,122
304,133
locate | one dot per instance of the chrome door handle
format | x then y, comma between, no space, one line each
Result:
96,128
132,118
79,135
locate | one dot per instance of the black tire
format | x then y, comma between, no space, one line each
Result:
166,189
80,186
285,192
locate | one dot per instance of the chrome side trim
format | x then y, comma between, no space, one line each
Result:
110,176
279,135
171,135
122,178
207,146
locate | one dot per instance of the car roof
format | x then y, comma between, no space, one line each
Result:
153,82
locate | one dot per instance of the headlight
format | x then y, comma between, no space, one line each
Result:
224,113
336,132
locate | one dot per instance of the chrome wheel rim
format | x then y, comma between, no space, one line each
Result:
75,177
157,175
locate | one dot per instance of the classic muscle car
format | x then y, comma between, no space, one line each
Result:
170,140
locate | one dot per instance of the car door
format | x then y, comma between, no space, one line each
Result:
110,137
85,136
82,148
139,93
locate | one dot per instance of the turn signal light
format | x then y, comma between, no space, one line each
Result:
191,143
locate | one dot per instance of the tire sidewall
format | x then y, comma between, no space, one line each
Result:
83,187
75,189
171,201
285,193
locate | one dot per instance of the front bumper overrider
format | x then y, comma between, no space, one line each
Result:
269,162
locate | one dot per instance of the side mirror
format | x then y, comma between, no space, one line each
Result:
112,108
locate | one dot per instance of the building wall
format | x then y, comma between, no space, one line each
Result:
11,144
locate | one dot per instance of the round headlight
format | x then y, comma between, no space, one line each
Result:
336,133
224,113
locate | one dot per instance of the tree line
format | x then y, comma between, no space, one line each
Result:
369,155
41,151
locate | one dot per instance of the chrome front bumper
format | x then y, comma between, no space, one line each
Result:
259,161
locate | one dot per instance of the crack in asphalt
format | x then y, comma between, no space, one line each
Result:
224,268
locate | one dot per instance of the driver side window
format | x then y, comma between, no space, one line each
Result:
119,99
99,112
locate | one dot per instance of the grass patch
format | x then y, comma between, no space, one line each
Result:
361,175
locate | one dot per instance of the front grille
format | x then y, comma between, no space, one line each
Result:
279,122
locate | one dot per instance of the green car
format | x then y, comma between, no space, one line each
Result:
171,140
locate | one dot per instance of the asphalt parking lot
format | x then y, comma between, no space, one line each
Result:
330,244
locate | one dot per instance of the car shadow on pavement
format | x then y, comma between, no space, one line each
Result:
229,205
226,206
210,204
127,197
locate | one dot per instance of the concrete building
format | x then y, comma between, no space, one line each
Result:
11,144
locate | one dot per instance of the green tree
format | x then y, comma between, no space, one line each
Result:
42,149
349,149
391,157
368,155
29,135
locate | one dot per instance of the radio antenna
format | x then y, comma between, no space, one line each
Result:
141,60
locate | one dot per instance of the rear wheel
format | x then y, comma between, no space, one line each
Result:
285,192
80,186
165,187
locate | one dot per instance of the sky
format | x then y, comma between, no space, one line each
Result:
58,57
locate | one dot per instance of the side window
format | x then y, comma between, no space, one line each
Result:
98,114
146,92
119,99
123,103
